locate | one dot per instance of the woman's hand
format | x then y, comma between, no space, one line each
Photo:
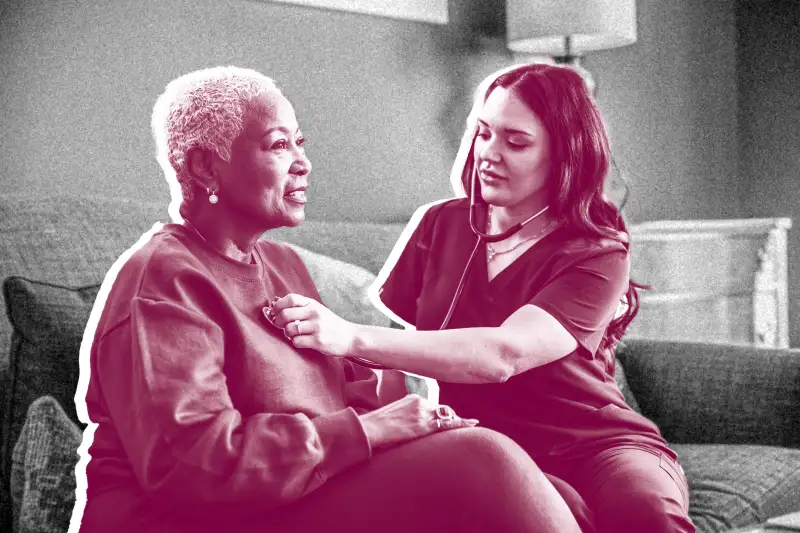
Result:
407,419
309,324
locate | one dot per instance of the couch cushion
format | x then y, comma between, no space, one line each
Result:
716,393
738,485
43,470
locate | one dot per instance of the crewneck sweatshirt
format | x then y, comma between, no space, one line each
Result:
198,399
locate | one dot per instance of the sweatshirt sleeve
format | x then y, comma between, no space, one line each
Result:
361,387
366,390
162,376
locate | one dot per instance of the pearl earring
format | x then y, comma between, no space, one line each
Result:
212,197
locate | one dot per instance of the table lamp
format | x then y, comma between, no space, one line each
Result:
566,29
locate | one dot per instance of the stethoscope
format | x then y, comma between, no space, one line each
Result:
482,237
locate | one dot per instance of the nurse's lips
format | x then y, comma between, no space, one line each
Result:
488,175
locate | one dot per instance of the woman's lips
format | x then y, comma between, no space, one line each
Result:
298,197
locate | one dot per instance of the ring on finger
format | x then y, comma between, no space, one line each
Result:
297,326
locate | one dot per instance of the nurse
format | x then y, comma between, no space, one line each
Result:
528,349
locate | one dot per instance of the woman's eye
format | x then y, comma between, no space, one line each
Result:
483,134
301,141
279,145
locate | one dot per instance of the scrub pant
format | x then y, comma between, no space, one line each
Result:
625,489
464,480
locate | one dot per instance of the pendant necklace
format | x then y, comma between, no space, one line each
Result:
494,253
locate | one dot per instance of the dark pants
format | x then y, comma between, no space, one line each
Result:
626,489
466,480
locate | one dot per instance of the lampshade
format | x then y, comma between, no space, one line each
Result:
540,26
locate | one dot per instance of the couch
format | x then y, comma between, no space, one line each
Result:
732,413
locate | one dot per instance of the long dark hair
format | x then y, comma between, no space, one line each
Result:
580,159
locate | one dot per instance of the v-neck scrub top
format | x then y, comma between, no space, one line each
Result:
558,411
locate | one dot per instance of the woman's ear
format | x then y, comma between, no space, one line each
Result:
199,162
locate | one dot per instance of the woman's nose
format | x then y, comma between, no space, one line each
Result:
302,162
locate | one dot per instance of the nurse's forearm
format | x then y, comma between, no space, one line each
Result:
473,355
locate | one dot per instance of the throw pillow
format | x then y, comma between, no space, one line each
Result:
43,469
48,322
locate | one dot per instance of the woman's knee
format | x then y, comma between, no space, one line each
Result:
483,453
467,441
468,458
493,476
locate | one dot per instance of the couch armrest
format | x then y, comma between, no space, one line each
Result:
716,393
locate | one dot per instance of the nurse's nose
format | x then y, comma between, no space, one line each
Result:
489,153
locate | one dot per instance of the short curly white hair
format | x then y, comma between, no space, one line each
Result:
205,109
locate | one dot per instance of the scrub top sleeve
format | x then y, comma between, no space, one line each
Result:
584,297
403,285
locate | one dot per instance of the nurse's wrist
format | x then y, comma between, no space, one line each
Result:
361,341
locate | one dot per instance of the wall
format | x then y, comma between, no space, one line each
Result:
769,103
80,80
382,101
670,102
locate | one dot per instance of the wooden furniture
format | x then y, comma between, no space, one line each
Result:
712,280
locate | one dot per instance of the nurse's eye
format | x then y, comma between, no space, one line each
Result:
483,134
517,145
301,142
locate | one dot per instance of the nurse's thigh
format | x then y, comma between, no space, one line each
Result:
631,489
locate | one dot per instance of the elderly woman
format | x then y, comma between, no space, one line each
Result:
520,329
208,419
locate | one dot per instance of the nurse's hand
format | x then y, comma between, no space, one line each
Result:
309,324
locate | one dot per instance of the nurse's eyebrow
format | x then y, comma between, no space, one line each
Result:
506,130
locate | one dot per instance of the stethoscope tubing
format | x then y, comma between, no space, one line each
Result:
481,238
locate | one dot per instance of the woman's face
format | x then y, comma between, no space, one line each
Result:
266,178
511,153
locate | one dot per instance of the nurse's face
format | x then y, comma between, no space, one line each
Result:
511,152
